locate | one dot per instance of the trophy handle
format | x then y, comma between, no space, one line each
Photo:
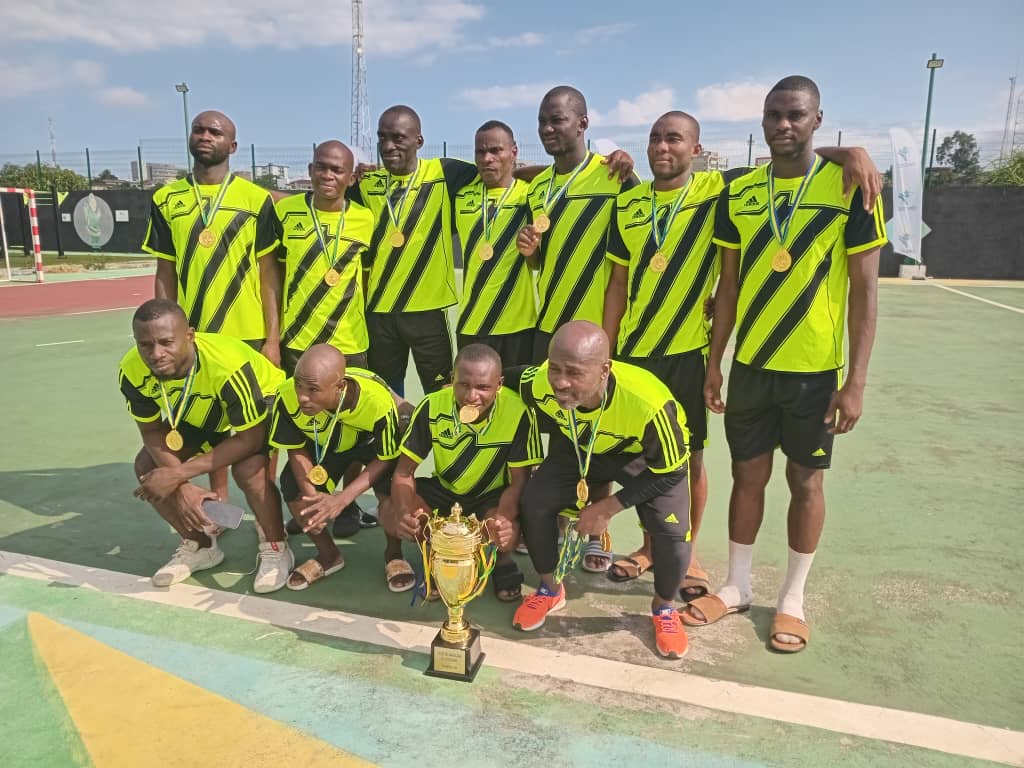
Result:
488,556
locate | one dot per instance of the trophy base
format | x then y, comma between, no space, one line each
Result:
456,661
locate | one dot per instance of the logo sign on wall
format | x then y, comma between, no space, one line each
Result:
94,221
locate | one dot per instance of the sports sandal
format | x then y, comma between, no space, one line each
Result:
712,608
784,624
595,550
631,567
395,571
310,572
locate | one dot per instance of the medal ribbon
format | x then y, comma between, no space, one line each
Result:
550,200
584,462
317,451
486,220
781,229
209,214
659,232
172,418
401,202
332,257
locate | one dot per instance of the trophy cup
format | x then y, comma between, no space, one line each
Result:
459,565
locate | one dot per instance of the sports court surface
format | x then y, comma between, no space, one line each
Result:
914,600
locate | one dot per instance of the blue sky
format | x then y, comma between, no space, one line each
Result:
105,70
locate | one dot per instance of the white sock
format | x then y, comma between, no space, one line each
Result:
737,589
791,595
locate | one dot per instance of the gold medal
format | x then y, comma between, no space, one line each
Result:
207,238
331,277
659,263
582,491
397,239
174,440
317,475
468,414
485,251
781,261
541,223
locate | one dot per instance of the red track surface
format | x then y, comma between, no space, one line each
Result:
33,300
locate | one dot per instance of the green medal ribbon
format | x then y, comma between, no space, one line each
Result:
781,229
583,460
332,257
551,198
395,217
208,213
175,418
485,219
659,232
317,451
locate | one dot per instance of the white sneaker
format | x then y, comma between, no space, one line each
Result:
273,564
188,558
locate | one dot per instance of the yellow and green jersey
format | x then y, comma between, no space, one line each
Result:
794,320
473,459
498,295
574,273
419,274
227,391
373,415
218,285
316,312
670,275
640,416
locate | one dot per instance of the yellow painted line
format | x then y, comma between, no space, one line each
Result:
130,713
1018,310
628,681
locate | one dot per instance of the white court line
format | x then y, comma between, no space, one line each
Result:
59,343
871,722
97,311
1018,310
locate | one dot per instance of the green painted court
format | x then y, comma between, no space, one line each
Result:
914,601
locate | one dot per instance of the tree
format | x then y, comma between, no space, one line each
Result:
960,152
1008,172
42,178
107,175
266,181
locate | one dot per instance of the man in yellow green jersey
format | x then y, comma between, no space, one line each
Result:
609,422
664,268
498,306
329,417
794,248
199,400
484,442
214,236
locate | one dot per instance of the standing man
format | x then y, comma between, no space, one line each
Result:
200,403
793,250
608,422
498,306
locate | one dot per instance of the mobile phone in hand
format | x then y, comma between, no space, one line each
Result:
223,514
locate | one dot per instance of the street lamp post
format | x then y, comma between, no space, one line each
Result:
182,88
933,63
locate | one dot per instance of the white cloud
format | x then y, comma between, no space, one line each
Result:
600,33
393,27
122,97
731,101
506,96
641,111
525,40
24,77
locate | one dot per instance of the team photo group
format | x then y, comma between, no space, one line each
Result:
592,314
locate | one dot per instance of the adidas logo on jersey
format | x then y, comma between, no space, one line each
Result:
179,204
639,214
298,226
448,434
750,202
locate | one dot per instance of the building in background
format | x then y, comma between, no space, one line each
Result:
710,161
759,161
272,172
156,174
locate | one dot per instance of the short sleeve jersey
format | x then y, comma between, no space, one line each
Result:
574,273
419,274
219,285
227,393
665,309
374,414
316,312
794,321
473,459
640,416
498,295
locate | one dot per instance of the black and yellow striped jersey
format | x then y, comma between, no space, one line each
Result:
316,312
374,414
665,296
794,320
219,285
227,390
473,459
419,274
498,295
574,273
640,416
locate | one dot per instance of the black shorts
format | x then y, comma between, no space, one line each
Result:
683,374
441,499
336,464
765,409
514,349
426,334
290,358
541,341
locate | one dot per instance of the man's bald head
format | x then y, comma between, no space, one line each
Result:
333,148
401,112
580,341
680,119
570,97
211,116
321,362
579,365
212,138
399,138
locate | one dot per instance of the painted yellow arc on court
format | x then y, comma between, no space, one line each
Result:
130,713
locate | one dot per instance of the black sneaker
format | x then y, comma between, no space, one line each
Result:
346,525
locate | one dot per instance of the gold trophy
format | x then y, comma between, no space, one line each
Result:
459,564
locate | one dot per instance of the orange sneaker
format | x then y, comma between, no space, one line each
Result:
530,615
669,635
